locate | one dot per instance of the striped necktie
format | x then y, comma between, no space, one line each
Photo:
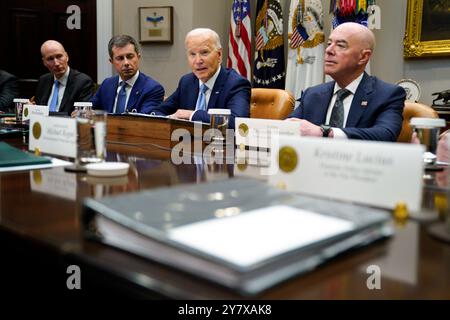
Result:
337,114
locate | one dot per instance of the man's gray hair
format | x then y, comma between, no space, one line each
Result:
205,32
121,41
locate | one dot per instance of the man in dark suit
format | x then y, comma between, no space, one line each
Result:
8,91
131,90
209,85
63,86
354,105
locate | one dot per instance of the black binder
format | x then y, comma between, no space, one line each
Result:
144,223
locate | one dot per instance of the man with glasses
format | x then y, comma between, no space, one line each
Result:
62,86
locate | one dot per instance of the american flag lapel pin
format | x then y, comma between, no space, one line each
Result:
364,103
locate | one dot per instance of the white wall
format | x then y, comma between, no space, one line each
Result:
104,33
167,63
164,62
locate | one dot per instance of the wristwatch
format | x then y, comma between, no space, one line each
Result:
325,130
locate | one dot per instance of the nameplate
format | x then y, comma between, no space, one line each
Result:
371,173
54,182
257,132
30,109
53,135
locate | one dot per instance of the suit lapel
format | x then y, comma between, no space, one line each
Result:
48,89
321,101
218,85
360,101
194,88
109,96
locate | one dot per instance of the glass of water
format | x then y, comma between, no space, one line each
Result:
91,135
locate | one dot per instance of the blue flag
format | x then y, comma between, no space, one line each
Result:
269,71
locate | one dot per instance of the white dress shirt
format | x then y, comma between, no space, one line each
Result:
210,84
338,133
130,83
61,89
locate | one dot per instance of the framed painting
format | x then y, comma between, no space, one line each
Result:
427,31
156,24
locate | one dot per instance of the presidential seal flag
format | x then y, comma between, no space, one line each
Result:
239,44
268,71
306,46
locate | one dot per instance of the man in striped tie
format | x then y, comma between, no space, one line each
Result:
354,105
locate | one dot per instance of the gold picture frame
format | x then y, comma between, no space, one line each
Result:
427,33
156,24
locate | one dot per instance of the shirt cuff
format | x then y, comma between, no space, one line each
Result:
339,134
192,115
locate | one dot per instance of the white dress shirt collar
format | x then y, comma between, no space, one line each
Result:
64,78
210,83
130,81
351,87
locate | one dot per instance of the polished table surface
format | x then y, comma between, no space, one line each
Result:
41,233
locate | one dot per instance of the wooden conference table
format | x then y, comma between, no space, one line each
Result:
41,236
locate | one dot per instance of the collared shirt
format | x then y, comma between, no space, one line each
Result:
61,89
210,84
352,87
130,83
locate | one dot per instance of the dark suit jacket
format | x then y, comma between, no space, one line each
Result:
144,96
8,90
79,88
231,91
375,113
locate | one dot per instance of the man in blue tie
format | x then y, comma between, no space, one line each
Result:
131,90
354,105
63,86
209,85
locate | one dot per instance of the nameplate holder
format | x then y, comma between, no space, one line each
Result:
257,132
371,173
38,110
53,135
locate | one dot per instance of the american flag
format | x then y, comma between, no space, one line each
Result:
261,38
298,36
239,43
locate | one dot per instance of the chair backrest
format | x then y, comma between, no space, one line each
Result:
411,110
271,103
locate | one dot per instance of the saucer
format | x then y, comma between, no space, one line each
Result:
107,169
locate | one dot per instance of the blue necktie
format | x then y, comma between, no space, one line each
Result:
201,100
121,98
337,114
54,101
